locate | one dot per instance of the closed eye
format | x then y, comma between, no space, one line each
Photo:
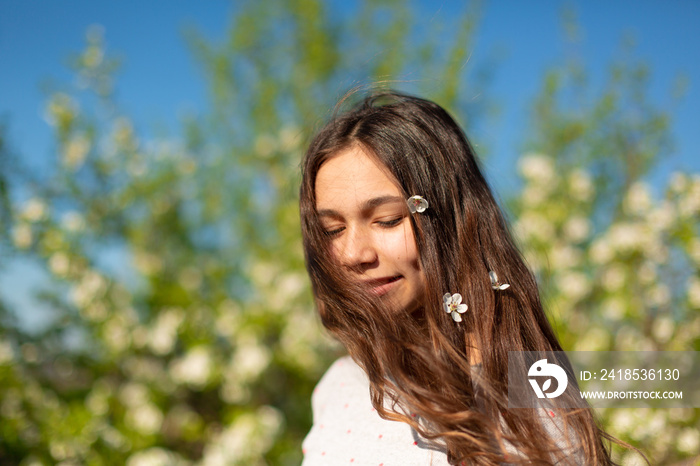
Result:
390,223
334,232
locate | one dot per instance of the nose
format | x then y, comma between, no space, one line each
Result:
357,249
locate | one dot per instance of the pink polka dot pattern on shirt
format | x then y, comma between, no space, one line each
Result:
369,438
348,430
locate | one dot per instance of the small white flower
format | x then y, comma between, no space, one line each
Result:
35,210
22,235
73,221
194,368
417,204
638,199
577,229
59,263
75,151
688,440
537,167
452,305
580,185
495,284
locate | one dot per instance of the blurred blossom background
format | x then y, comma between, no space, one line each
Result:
154,307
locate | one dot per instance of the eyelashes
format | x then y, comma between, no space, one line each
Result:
333,232
390,223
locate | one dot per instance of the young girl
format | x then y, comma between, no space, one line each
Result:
415,272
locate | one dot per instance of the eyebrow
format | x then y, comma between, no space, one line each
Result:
367,205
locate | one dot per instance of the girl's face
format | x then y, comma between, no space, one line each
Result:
366,217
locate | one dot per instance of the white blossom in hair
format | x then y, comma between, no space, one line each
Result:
495,284
453,305
417,204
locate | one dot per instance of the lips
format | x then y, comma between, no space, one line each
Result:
380,286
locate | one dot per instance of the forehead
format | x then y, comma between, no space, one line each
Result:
351,177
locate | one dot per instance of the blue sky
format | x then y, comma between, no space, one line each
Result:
159,79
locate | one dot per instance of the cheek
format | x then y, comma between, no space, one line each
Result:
412,253
415,260
403,246
335,251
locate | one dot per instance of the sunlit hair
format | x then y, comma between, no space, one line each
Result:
419,364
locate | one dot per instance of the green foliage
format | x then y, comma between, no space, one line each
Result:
619,265
201,345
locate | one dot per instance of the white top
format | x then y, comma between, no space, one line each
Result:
348,430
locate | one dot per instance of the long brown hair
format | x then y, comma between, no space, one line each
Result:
419,365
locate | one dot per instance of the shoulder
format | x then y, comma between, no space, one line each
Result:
568,443
347,429
343,369
343,379
565,441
